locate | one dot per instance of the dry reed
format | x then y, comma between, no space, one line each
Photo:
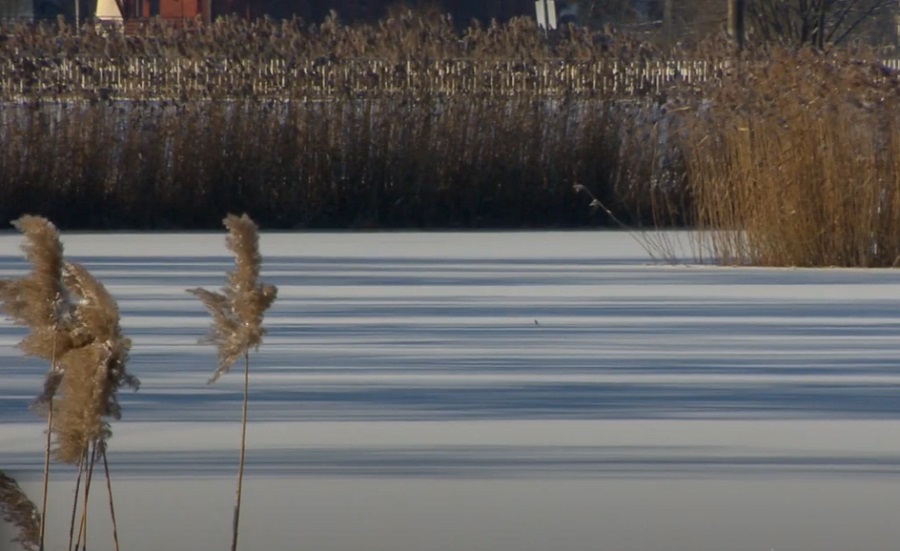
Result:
237,312
407,123
94,373
798,163
404,161
40,302
17,509
73,323
237,315
94,370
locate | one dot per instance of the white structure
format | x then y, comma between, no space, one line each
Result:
108,10
546,14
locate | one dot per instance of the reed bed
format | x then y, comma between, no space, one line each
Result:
406,123
797,163
409,123
409,53
408,161
183,78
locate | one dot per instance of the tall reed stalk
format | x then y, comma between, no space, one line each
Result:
73,323
237,315
39,301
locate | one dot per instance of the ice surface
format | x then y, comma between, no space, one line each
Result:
490,391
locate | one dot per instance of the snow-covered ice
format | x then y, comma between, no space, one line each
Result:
526,391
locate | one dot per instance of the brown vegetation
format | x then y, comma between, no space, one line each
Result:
17,509
411,124
402,124
74,324
237,315
797,162
395,162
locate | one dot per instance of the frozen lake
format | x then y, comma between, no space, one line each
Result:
489,392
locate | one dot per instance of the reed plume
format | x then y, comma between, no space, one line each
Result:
17,509
95,371
40,302
73,323
85,389
237,314
96,316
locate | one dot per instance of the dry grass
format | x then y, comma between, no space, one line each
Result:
403,161
797,163
39,300
96,316
416,125
237,312
237,315
73,323
403,35
17,509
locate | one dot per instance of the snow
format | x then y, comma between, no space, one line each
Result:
524,391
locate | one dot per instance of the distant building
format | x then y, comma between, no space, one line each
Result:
166,9
349,11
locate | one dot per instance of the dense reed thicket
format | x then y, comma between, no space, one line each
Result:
366,154
233,58
797,162
411,124
397,162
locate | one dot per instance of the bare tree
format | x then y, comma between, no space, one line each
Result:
820,23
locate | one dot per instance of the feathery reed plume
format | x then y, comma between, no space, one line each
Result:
237,315
81,339
95,372
39,301
96,316
78,420
237,312
16,508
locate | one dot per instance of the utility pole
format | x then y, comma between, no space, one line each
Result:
736,22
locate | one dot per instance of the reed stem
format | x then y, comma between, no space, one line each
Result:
240,477
47,450
112,508
75,502
82,530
